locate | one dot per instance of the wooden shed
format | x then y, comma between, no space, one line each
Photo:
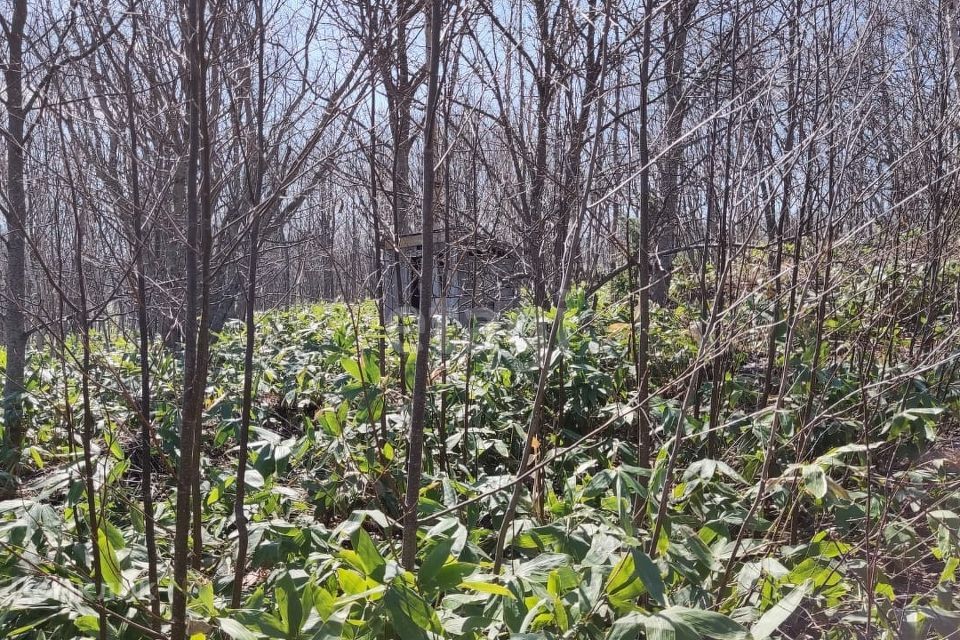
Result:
475,276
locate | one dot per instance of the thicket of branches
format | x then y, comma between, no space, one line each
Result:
170,166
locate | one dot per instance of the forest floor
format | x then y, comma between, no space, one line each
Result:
832,516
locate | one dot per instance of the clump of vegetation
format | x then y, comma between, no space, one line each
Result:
717,396
834,508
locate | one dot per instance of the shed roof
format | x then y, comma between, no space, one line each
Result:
479,241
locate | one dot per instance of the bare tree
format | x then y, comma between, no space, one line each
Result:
15,214
252,111
196,332
434,27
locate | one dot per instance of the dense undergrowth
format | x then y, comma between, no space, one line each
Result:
855,532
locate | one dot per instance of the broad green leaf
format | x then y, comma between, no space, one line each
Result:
433,562
560,614
452,574
885,590
373,563
204,602
706,623
350,581
633,576
236,630
331,423
288,605
776,615
949,573
815,481
657,627
109,565
623,585
371,368
626,627
89,623
650,576
411,616
553,584
253,479
37,460
325,603
540,566
351,367
487,587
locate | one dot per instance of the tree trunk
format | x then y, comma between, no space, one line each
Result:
255,165
16,216
193,387
678,18
415,437
143,328
644,441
